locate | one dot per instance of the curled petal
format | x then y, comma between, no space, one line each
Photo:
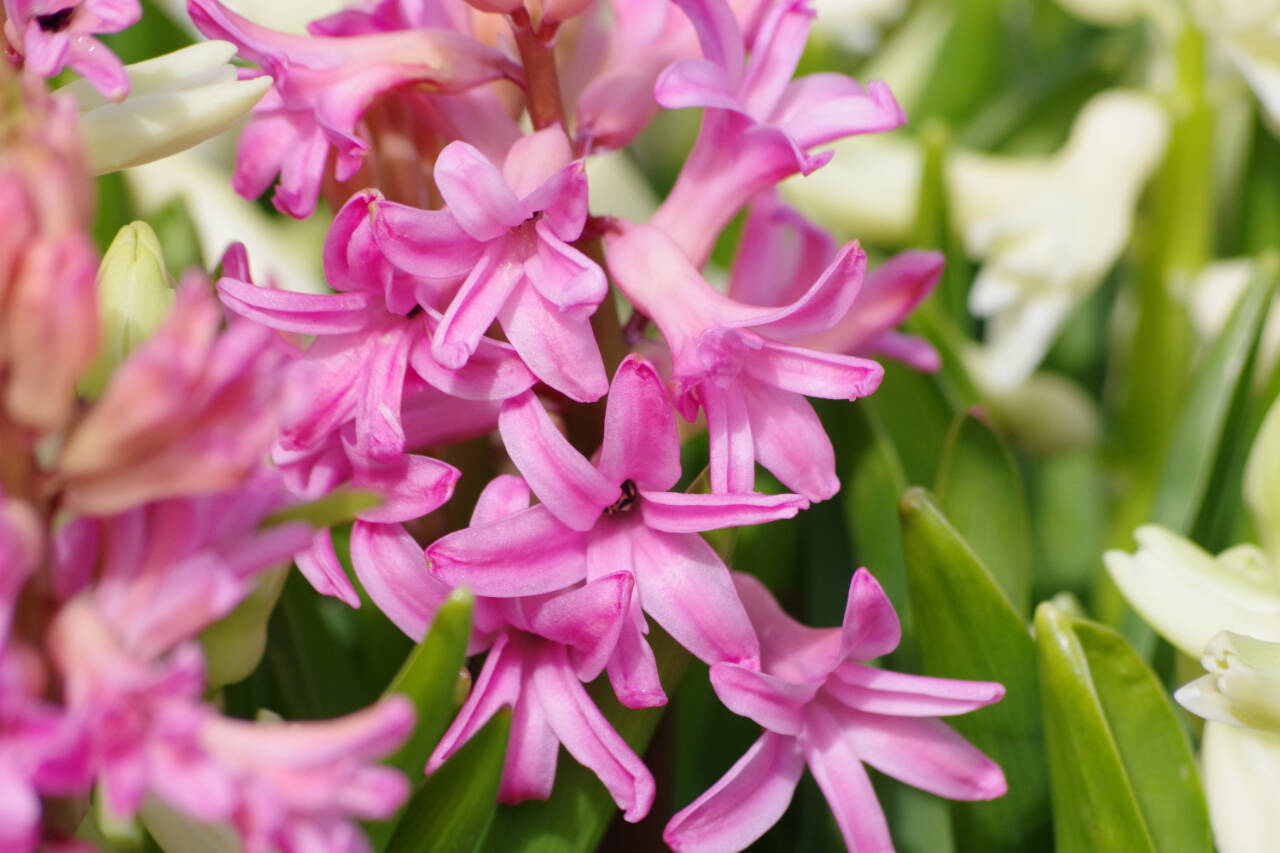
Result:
682,512
775,703
393,571
640,439
527,553
744,803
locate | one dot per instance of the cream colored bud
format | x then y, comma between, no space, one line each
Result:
135,294
175,101
1242,685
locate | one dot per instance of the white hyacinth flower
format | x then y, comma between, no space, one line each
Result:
1242,686
1048,247
1240,768
1048,229
1188,595
175,101
1247,33
856,25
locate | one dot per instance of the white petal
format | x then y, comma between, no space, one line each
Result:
1241,775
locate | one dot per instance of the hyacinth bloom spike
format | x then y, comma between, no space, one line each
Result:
735,361
322,87
820,707
594,520
53,34
759,124
513,227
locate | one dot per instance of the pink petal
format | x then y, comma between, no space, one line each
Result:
527,553
529,772
871,628
719,35
319,565
559,347
265,142
564,276
475,306
681,512
305,313
411,486
687,590
889,295
880,691
505,495
535,159
587,735
393,571
499,684
91,59
562,478
426,243
586,619
822,108
790,441
775,703
915,352
744,803
775,53
563,201
788,649
814,374
835,764
379,434
493,372
640,438
780,255
830,297
696,83
476,193
633,670
925,753
733,463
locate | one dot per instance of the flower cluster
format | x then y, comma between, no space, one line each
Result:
474,290
130,524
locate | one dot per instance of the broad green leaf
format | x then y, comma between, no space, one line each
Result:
574,819
980,492
233,646
338,507
915,413
430,676
179,237
1120,767
1068,518
450,812
966,628
1223,373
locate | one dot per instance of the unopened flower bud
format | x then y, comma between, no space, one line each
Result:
135,294
1242,685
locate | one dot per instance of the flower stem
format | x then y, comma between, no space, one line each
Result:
539,58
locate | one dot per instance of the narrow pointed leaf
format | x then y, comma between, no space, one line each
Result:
452,810
966,628
1198,440
980,491
1121,770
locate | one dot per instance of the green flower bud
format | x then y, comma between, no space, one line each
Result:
135,294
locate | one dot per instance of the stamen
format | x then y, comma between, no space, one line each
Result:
56,22
630,494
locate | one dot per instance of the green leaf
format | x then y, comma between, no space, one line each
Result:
574,819
915,412
453,808
966,628
980,492
1223,373
1120,767
338,507
430,677
178,235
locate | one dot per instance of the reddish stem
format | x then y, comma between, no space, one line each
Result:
543,81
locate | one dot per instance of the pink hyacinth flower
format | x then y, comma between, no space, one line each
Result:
541,649
820,707
323,85
191,411
781,254
52,34
43,750
616,514
759,124
512,228
741,365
